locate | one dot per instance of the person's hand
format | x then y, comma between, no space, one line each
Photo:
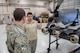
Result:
40,20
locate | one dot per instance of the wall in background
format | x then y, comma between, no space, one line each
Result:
35,10
9,11
70,4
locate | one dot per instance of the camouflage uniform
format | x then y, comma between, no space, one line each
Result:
31,31
17,41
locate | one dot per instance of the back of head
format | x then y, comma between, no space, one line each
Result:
18,14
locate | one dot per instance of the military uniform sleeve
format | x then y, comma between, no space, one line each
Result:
39,25
16,44
21,46
10,41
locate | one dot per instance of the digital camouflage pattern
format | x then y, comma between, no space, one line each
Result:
17,41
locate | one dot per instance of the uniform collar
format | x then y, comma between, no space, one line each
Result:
18,26
29,22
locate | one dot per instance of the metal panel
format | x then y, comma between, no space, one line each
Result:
67,15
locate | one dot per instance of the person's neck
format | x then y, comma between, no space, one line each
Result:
30,20
19,23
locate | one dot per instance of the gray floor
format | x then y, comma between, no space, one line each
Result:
65,46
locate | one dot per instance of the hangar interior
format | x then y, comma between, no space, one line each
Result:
67,11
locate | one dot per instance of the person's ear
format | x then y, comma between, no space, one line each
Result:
24,18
